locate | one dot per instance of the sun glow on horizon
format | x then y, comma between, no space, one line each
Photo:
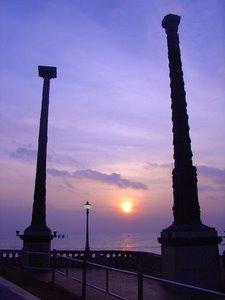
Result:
127,206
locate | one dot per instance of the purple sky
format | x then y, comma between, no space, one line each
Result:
110,125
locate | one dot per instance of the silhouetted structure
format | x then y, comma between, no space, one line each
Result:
37,237
87,207
189,248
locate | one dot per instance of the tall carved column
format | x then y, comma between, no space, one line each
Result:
37,237
186,207
189,248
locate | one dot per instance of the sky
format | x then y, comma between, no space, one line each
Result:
110,129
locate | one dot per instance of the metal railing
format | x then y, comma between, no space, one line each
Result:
79,269
149,262
140,278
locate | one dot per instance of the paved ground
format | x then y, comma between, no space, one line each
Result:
122,284
40,288
125,286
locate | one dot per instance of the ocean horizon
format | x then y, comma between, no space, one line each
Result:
143,242
99,241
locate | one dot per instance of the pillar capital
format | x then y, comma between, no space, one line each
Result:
171,22
47,72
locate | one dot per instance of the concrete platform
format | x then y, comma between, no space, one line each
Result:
10,291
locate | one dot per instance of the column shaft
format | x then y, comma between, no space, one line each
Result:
186,206
39,204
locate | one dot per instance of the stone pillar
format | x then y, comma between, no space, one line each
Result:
37,237
189,248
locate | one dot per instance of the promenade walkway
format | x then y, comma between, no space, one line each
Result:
126,286
17,284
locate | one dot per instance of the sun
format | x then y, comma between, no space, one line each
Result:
127,206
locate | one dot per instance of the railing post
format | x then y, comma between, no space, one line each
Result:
54,266
67,267
53,275
107,280
140,285
84,279
140,277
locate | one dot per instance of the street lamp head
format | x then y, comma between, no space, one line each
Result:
87,205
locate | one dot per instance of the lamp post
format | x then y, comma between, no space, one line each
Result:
87,206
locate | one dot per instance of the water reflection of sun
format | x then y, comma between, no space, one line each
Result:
126,206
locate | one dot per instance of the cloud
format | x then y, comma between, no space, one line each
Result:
111,179
215,174
114,179
58,173
161,166
28,154
25,153
205,188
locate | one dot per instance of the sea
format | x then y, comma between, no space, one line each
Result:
99,241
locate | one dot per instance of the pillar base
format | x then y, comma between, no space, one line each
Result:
190,255
36,247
